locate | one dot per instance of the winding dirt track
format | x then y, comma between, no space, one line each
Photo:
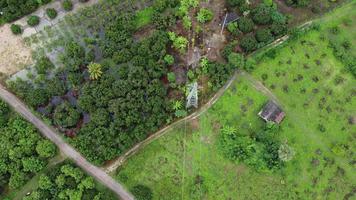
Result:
120,160
68,150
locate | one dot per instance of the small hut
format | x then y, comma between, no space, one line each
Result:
271,112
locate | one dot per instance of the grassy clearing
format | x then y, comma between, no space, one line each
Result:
186,164
318,96
144,17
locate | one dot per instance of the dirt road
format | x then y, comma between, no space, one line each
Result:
120,160
68,150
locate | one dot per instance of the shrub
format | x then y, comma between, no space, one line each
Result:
248,43
279,29
204,15
16,29
169,59
264,35
245,24
43,64
51,13
236,60
33,20
262,14
233,28
228,49
142,192
66,116
67,5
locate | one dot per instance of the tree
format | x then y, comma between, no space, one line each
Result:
264,35
43,64
171,76
66,116
45,182
17,179
245,24
16,29
33,20
67,5
95,71
169,59
51,13
204,15
142,192
285,153
233,28
248,43
262,14
45,149
179,42
236,60
32,164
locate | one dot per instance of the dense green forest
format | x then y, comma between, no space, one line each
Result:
15,9
66,181
23,152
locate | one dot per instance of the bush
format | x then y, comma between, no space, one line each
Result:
51,13
264,35
233,28
245,24
262,14
66,116
16,29
33,20
142,192
67,5
279,29
248,43
169,59
204,15
43,64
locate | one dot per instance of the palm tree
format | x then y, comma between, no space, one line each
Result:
95,70
177,105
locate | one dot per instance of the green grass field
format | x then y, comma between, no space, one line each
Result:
318,96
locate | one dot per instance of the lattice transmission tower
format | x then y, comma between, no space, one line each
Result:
192,98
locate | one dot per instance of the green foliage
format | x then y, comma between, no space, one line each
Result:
248,43
171,76
43,65
95,70
33,20
67,5
262,14
229,48
285,153
179,42
16,29
51,13
66,116
236,60
245,24
205,15
169,59
19,160
264,35
187,22
278,29
13,10
218,74
233,28
46,149
66,181
299,3
142,192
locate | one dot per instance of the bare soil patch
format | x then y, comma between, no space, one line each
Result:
14,55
